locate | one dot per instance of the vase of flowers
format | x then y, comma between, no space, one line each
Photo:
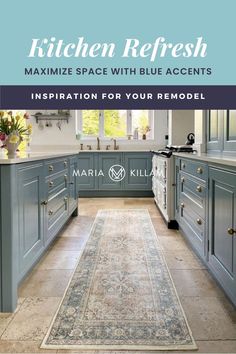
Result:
144,130
13,130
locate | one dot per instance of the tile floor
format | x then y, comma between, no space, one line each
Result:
211,316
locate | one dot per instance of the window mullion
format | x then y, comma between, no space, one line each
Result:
129,122
101,124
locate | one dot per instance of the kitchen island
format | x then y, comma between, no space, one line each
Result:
38,194
205,210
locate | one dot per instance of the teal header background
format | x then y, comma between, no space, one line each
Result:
114,21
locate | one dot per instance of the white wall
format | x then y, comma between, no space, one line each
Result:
181,123
65,139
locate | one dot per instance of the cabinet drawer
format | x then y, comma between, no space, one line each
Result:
56,183
196,223
193,189
194,232
187,202
197,169
54,166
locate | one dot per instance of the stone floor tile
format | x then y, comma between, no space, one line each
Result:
195,282
45,283
32,320
182,260
57,259
210,318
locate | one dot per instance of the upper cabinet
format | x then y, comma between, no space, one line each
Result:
221,130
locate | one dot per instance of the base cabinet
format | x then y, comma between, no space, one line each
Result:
206,213
114,174
222,228
37,198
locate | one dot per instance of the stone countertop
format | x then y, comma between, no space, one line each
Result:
119,150
23,157
216,158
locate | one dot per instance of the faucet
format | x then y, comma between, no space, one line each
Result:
98,144
116,147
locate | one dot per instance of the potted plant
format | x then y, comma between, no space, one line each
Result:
144,130
13,130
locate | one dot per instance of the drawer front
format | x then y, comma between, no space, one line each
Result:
56,183
55,166
195,222
197,169
193,189
194,232
187,202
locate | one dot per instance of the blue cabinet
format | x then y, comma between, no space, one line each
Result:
222,228
138,167
37,198
206,213
72,186
31,233
114,174
86,169
109,164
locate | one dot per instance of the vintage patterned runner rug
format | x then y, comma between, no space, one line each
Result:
121,295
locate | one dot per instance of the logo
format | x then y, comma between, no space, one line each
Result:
116,173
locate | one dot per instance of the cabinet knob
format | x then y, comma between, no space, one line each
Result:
199,189
50,167
65,163
65,199
183,165
231,231
182,179
199,170
66,177
50,212
44,202
51,184
182,205
71,182
199,221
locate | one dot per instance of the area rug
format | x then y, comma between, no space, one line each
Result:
121,295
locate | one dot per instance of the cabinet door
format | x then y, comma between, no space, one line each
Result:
230,130
222,218
30,194
215,120
111,171
73,193
86,169
138,168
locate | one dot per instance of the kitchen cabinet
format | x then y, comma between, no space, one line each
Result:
191,203
205,209
109,164
222,228
72,186
36,201
221,130
138,167
31,215
114,173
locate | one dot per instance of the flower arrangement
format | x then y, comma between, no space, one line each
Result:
145,129
13,129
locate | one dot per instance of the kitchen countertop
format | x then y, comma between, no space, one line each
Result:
22,157
223,159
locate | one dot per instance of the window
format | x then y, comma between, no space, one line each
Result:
119,124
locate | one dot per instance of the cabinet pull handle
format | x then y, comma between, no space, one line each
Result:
51,184
182,205
199,189
44,202
50,167
50,212
65,176
231,231
182,179
199,221
199,170
65,163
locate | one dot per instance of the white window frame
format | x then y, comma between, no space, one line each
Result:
79,127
